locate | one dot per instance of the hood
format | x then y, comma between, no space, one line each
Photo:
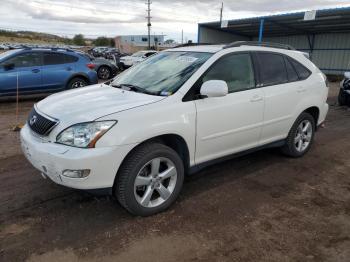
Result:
89,103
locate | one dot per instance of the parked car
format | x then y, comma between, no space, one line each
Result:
110,52
127,61
44,71
3,47
173,114
98,51
344,91
105,69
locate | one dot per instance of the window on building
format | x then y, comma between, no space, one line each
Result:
144,39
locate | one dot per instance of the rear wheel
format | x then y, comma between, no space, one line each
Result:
76,82
150,179
104,72
300,136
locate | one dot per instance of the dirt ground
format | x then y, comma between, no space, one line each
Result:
260,207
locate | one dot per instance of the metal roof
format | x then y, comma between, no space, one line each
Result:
334,20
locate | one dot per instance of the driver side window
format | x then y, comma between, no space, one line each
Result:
25,60
235,69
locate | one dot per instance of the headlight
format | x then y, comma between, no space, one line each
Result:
84,135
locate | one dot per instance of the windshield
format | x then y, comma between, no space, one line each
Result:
164,73
7,54
139,54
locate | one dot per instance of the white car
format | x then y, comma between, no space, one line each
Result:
173,114
127,61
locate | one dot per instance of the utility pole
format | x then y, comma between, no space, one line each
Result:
222,8
148,3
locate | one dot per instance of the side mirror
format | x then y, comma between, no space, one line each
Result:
8,67
347,75
214,88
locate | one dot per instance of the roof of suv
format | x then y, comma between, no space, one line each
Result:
246,44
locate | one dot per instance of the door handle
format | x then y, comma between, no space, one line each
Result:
256,98
69,68
36,70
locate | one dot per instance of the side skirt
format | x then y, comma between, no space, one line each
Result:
194,169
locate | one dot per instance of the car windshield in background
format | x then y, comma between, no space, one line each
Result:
162,74
139,54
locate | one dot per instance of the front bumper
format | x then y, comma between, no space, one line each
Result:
52,159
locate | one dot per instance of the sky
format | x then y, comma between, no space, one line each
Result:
110,18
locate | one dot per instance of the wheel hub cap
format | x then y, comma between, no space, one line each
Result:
155,182
303,136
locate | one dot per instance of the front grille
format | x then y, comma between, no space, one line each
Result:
40,124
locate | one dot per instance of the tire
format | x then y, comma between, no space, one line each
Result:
138,168
342,98
121,66
292,148
104,72
76,82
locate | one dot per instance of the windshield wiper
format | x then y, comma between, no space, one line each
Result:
135,88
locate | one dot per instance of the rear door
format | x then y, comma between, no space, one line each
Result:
26,72
280,84
57,70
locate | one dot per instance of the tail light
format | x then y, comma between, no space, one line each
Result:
91,66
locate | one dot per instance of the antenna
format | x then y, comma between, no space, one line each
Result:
148,3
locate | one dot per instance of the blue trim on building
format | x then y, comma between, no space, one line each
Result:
261,30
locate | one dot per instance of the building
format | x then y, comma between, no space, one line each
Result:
133,43
326,38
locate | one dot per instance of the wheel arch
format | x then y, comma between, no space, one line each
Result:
314,111
174,141
85,77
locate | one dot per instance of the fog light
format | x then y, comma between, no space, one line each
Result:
76,173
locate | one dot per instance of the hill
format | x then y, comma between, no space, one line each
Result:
31,37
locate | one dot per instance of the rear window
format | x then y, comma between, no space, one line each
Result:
292,74
272,69
57,58
302,71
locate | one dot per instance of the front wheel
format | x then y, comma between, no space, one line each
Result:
150,179
300,136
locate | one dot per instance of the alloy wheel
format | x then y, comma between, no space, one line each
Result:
78,84
155,182
104,73
303,136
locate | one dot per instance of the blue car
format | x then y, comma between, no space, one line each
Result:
38,71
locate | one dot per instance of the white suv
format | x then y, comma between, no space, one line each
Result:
137,136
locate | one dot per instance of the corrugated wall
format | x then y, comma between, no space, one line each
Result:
331,52
212,36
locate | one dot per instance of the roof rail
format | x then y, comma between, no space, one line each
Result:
192,44
256,43
48,48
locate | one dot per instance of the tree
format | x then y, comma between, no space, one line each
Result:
79,39
169,41
103,41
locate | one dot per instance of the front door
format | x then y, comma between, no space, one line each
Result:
229,124
22,70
